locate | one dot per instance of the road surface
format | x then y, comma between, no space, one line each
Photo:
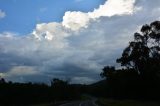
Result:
82,103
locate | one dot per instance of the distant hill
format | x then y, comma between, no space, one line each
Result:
99,83
97,89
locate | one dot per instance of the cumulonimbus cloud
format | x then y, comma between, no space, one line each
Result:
75,20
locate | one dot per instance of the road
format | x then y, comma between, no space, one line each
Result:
82,103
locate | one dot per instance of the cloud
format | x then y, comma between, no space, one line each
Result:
21,71
76,20
2,14
55,50
49,31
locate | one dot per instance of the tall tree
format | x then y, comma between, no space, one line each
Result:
143,53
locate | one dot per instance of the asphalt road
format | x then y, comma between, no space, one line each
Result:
82,103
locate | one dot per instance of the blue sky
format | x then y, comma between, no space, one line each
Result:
23,15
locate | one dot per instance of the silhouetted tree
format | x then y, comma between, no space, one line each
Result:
143,53
57,82
2,81
62,90
108,72
140,75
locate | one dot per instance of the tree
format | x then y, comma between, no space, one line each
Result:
58,83
140,75
143,53
108,72
2,81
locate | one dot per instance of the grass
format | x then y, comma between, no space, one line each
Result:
110,102
85,97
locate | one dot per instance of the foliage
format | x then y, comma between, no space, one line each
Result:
143,53
21,94
140,75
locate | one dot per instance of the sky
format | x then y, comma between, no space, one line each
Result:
38,11
67,39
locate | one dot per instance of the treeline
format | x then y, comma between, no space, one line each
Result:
21,94
127,84
139,76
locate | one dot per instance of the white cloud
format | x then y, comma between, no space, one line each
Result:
76,20
114,7
2,14
45,30
53,31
